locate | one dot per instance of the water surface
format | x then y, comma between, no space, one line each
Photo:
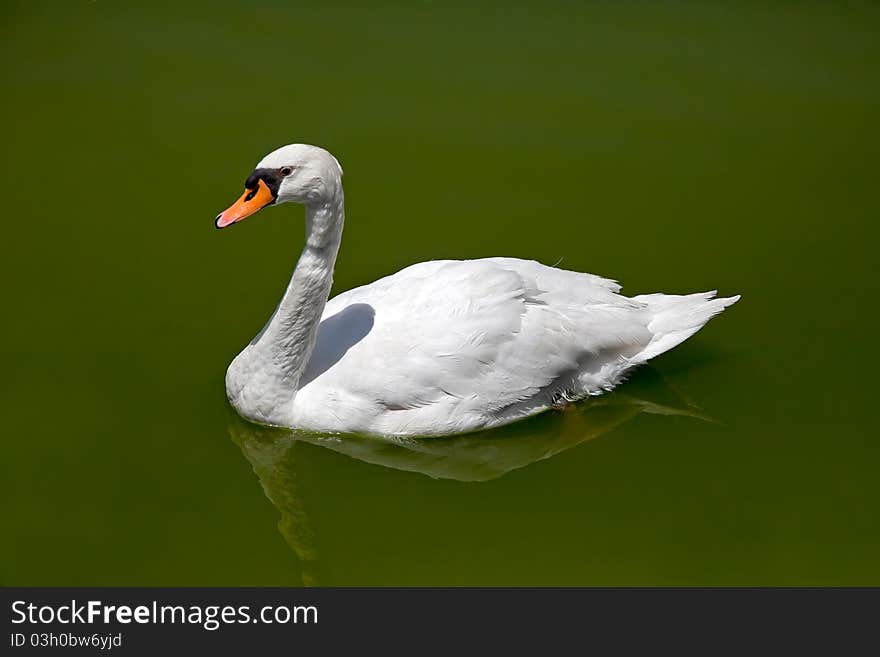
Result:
675,146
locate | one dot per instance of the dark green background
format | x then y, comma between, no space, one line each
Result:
675,146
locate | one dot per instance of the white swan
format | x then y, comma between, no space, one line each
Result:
441,347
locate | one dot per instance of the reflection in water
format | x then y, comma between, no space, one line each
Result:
470,458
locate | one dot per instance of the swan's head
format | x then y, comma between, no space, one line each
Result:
297,173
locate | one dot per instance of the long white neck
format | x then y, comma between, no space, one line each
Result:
286,343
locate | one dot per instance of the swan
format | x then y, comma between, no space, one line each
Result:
441,347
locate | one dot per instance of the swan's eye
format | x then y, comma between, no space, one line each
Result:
286,171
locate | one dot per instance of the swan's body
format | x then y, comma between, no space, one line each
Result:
441,347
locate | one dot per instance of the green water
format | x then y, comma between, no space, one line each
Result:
675,146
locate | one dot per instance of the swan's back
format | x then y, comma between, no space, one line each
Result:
451,346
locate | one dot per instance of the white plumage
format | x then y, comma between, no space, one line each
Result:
441,347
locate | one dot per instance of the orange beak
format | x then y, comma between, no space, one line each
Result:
251,201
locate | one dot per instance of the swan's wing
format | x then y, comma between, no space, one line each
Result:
475,337
577,285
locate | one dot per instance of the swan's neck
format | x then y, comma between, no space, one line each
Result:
286,343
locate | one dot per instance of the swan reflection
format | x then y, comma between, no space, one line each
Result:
476,457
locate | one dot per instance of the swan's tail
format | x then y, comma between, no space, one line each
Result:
677,317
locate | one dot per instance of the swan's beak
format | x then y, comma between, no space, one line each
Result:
251,201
